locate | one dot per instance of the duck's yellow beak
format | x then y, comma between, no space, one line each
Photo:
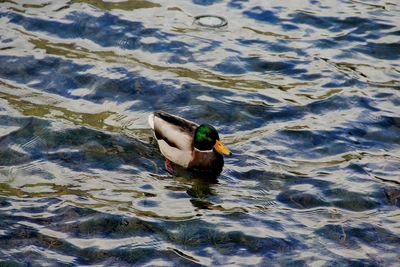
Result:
221,148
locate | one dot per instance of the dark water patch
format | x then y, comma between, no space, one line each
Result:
231,66
371,138
11,263
387,51
314,144
147,203
354,201
301,200
303,192
327,43
106,226
126,257
370,26
358,171
309,19
45,73
205,2
346,39
106,30
92,255
334,24
350,235
260,14
226,242
28,236
338,102
368,233
289,27
237,3
4,203
239,65
317,144
32,214
213,45
11,157
102,151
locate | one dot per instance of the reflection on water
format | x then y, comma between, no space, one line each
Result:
306,94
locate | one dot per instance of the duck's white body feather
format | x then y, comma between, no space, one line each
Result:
151,120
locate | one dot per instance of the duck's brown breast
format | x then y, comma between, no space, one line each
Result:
207,161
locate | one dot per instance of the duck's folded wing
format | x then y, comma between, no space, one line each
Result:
175,131
177,156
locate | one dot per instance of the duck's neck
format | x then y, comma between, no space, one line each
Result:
204,151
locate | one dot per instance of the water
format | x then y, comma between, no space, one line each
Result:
304,93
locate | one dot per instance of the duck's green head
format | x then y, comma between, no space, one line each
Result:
206,138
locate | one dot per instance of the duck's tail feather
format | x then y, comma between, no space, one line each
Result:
151,120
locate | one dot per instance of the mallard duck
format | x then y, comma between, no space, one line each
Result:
187,144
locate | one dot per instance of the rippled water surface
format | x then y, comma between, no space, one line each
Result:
306,94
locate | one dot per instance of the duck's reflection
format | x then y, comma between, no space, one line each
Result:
201,184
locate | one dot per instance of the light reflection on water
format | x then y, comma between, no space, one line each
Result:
305,94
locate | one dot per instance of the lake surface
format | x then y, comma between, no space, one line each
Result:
306,94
